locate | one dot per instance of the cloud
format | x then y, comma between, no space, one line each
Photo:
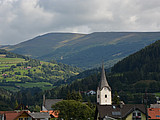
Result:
21,20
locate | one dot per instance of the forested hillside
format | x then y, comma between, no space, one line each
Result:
143,65
131,78
85,50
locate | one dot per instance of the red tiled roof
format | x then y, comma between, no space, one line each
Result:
53,113
12,115
154,113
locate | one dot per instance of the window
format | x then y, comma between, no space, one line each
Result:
136,115
20,119
139,114
98,96
105,96
26,119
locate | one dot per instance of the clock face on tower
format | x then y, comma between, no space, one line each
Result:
105,88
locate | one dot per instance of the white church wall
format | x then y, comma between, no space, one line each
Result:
108,99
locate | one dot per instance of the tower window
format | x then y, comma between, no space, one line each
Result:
98,96
105,96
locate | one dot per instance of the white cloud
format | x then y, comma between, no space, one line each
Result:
23,19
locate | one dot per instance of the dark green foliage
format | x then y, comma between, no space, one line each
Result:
130,77
116,99
70,109
145,60
140,69
5,100
74,96
32,63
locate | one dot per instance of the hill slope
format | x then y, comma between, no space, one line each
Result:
85,50
131,77
18,72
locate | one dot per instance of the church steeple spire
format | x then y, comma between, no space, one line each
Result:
104,96
103,82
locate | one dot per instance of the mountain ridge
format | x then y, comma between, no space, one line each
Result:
85,50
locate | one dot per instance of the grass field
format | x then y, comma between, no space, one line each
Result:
8,62
157,94
11,60
28,76
30,85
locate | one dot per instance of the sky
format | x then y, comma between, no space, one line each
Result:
21,20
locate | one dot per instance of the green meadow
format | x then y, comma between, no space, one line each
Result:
17,73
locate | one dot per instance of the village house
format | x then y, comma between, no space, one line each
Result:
105,110
40,116
155,106
22,113
91,92
15,115
154,113
47,106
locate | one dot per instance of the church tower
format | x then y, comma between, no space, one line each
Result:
104,96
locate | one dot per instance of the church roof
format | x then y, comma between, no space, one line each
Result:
103,82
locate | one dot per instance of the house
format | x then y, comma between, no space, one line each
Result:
23,115
118,112
91,92
15,115
47,103
22,107
40,115
155,106
28,67
154,113
52,113
105,110
47,106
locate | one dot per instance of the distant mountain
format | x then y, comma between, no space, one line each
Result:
85,50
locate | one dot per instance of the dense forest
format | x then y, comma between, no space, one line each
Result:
132,79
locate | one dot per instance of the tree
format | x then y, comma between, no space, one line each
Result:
16,104
71,109
37,108
74,96
116,99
